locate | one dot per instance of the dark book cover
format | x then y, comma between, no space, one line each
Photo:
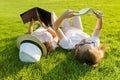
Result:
37,13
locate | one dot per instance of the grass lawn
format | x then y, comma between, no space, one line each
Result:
60,65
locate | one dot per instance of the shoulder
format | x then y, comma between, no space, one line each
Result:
66,43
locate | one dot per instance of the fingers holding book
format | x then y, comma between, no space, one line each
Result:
69,13
98,13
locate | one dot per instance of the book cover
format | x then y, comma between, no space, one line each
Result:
86,11
36,13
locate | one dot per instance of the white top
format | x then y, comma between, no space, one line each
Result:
74,37
44,36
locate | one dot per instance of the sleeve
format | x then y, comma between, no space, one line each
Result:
96,40
66,43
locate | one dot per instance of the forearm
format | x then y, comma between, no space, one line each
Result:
57,23
30,30
67,14
56,39
98,27
99,24
52,32
42,24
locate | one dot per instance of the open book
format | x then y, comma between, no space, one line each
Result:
86,11
37,13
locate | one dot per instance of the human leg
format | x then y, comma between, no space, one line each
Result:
66,25
77,23
60,34
53,17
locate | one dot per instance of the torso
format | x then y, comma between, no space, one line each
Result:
73,37
43,35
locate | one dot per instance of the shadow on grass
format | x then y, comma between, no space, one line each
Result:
9,60
69,69
10,65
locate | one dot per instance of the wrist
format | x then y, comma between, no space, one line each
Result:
99,18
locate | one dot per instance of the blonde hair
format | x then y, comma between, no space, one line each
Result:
90,56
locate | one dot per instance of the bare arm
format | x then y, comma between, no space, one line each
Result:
30,30
56,39
42,24
98,25
99,22
50,30
66,14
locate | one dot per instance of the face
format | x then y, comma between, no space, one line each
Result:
86,52
85,45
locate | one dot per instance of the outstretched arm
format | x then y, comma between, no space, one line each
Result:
98,24
42,24
30,30
66,14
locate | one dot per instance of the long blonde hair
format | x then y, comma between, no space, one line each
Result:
90,56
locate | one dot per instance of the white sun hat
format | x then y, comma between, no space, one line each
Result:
30,48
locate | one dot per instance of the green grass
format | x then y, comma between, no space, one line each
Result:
60,65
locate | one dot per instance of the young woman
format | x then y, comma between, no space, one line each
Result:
86,48
45,34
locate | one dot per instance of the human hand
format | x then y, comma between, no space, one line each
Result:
98,14
69,13
32,22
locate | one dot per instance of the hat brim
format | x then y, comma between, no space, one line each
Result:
31,38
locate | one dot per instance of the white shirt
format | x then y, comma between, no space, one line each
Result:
74,37
44,36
